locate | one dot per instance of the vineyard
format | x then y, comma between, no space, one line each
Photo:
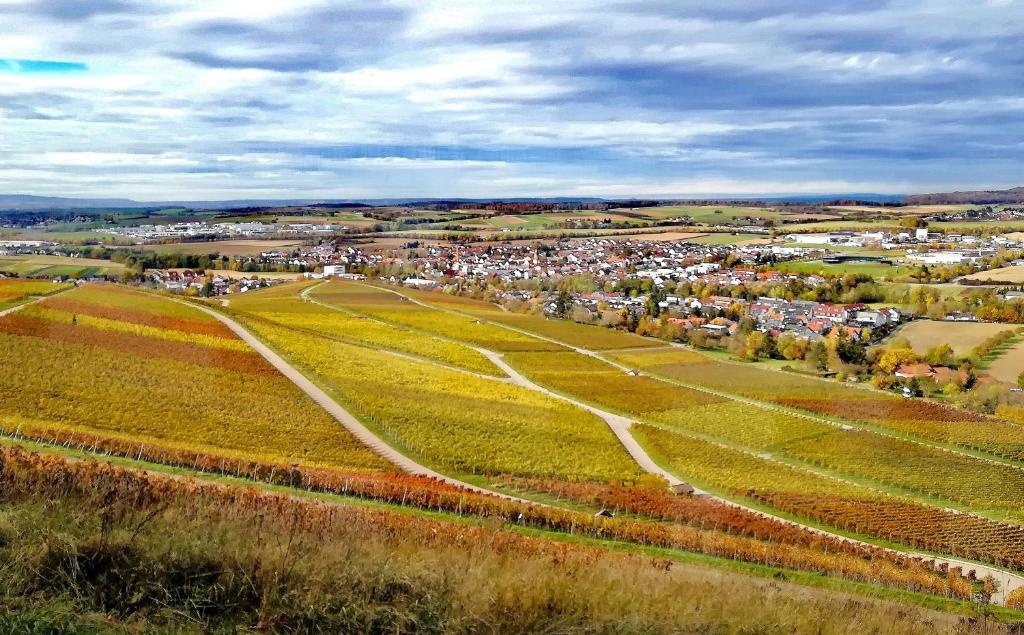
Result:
401,370
928,473
13,291
922,469
286,308
838,503
27,475
165,374
460,422
572,334
914,417
387,306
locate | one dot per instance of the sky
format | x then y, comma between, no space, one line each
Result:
231,99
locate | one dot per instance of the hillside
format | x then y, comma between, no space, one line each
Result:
981,197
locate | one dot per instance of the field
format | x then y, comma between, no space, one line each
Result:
571,334
667,235
238,275
546,220
224,247
1013,275
461,422
701,415
282,305
411,372
54,266
14,291
140,368
389,307
235,552
837,402
875,270
729,239
961,336
1008,366
922,210
713,214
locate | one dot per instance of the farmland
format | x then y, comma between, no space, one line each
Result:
457,421
1009,365
14,291
224,247
58,266
410,372
918,418
107,361
873,269
693,412
961,336
711,214
283,306
1010,275
342,554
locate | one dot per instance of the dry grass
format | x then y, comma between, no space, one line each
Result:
1014,274
1008,366
115,550
961,336
224,247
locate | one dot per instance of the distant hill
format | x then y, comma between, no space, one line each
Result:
984,197
28,203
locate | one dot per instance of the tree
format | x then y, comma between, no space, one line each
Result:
941,355
562,303
757,345
849,350
893,359
817,356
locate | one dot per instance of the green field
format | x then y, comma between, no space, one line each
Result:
726,239
712,214
54,266
875,270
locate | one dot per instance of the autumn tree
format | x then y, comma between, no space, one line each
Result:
894,358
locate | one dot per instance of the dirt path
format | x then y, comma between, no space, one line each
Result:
29,303
344,417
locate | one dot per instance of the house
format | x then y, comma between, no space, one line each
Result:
912,371
944,375
831,312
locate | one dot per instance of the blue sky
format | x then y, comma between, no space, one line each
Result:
218,99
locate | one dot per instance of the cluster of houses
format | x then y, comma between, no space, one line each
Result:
184,231
801,318
613,259
182,280
18,247
813,320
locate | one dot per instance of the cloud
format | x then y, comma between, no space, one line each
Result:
232,99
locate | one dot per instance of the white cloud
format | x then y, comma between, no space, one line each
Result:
117,159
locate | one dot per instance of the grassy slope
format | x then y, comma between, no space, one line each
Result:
717,592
